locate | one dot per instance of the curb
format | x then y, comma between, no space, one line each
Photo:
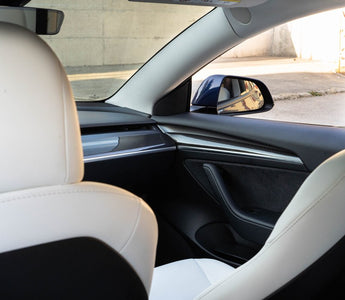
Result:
294,96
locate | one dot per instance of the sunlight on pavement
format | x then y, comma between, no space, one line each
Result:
231,66
325,110
106,75
264,67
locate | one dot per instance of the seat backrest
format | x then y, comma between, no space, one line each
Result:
51,224
309,231
38,117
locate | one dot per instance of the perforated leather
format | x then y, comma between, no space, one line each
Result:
41,164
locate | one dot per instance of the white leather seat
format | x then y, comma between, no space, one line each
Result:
310,230
185,279
41,197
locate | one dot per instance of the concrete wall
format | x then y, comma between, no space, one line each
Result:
112,32
107,32
274,42
315,37
318,36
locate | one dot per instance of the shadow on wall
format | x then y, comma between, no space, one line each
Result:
282,43
274,42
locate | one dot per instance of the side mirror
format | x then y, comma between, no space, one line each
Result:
232,95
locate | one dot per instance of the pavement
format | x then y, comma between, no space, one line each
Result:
286,78
327,110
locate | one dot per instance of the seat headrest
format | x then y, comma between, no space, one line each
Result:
40,134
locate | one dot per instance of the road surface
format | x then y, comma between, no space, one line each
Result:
324,110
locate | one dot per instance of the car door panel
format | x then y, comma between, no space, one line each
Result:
302,140
249,175
251,197
260,194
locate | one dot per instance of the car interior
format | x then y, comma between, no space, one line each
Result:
139,197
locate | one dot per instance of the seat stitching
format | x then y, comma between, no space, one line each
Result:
202,270
64,123
61,193
133,231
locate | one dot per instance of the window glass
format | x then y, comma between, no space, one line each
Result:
302,63
103,42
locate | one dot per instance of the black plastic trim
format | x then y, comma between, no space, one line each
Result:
14,2
92,119
177,101
101,106
77,268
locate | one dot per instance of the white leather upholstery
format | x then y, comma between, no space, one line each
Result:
41,197
112,215
311,224
187,278
39,126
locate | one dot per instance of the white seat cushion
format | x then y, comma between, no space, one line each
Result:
185,279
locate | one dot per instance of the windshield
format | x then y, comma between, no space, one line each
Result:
103,42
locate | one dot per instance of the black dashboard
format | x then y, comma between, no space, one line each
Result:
118,142
116,133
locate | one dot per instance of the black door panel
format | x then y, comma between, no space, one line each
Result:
312,144
252,197
248,170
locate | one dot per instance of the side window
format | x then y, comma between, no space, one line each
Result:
301,62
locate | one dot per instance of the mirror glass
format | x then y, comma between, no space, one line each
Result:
238,95
38,20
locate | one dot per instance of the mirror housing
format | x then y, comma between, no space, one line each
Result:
39,20
223,94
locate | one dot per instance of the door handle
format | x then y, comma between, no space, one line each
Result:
246,223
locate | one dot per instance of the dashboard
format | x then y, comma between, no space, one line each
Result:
113,133
119,142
